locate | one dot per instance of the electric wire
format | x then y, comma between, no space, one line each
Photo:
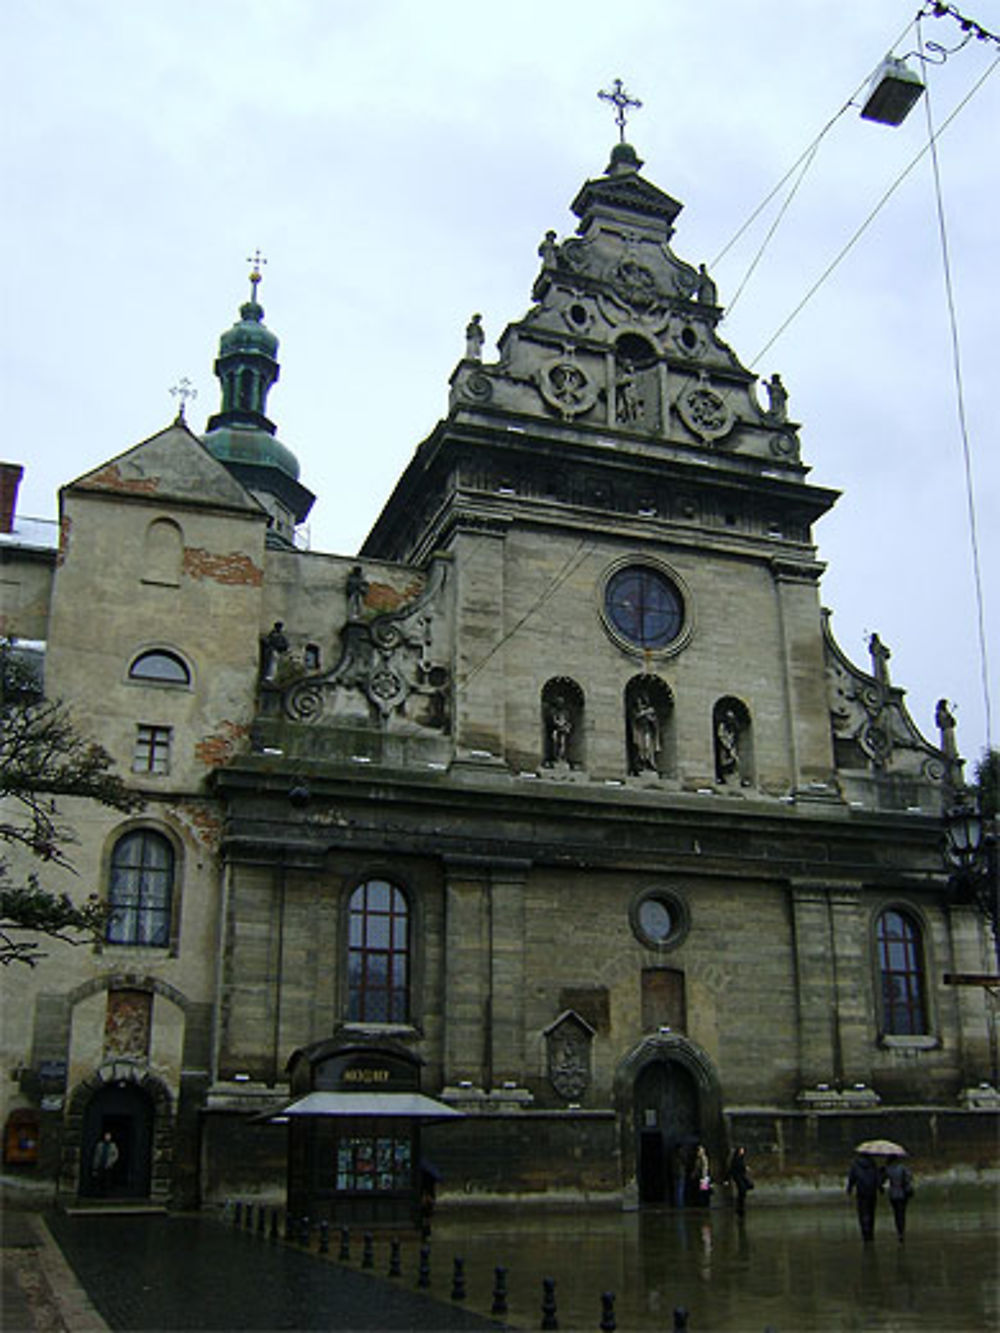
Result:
572,562
805,157
856,236
963,423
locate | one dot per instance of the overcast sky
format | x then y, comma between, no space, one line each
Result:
398,162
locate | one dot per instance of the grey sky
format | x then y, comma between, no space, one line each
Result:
398,162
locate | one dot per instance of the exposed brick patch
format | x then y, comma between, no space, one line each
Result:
111,478
65,531
217,749
203,823
232,568
381,597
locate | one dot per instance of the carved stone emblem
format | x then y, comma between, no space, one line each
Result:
706,412
635,284
568,1043
567,388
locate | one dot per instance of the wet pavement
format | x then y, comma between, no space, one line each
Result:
795,1267
193,1272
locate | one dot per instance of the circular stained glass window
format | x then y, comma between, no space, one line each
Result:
644,606
655,919
659,918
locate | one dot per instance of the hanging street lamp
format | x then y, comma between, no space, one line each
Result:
970,852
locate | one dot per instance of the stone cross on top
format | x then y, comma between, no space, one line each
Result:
256,259
621,102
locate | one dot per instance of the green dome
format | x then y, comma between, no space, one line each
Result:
251,446
250,334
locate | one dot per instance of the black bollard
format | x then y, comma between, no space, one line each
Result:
345,1245
458,1280
608,1324
273,1233
680,1319
305,1231
324,1237
238,1213
368,1251
289,1227
261,1220
499,1305
395,1266
424,1271
549,1317
248,1217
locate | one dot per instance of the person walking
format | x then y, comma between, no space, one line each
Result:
105,1160
866,1180
739,1178
900,1192
703,1178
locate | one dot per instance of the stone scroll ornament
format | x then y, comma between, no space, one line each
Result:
388,659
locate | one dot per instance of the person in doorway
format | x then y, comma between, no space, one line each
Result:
105,1160
900,1193
866,1180
703,1178
739,1178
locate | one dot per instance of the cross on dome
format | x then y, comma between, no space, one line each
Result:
256,260
621,102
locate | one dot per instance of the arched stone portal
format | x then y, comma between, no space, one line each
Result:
125,1100
668,1100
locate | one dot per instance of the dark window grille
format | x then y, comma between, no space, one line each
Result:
902,975
141,890
166,668
378,954
152,750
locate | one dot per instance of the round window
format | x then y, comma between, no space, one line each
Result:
644,607
659,919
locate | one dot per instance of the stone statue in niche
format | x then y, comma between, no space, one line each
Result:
273,647
628,404
560,731
357,590
474,339
644,725
727,745
777,395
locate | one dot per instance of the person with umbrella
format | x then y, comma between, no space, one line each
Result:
900,1181
866,1179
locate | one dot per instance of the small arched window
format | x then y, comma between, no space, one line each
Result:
160,666
901,974
141,889
378,962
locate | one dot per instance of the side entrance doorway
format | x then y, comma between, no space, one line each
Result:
116,1149
668,1130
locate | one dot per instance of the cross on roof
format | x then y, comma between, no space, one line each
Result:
256,259
183,390
621,101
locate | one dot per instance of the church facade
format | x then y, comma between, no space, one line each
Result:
548,835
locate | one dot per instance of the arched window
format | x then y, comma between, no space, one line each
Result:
378,954
164,553
141,889
901,972
163,667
